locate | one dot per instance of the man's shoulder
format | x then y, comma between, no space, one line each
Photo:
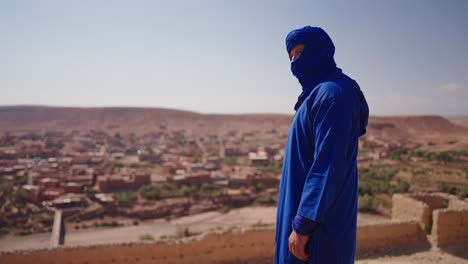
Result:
327,90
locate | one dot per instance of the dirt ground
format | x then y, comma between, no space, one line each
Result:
425,257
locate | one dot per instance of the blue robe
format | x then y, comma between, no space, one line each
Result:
318,188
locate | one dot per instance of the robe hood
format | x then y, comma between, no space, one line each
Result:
316,60
316,63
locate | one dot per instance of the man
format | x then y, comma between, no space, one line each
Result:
317,198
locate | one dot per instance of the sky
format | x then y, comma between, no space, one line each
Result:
409,57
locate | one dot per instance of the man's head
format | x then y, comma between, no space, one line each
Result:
311,53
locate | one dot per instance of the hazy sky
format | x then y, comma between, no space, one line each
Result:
409,57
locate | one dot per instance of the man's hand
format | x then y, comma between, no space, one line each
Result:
297,243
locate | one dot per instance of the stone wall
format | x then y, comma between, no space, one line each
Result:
387,236
450,227
410,209
213,248
232,247
458,204
432,200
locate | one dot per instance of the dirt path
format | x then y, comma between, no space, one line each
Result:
433,256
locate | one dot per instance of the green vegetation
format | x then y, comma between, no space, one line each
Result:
140,166
125,198
443,156
421,171
181,140
157,192
197,157
208,189
229,161
259,187
105,224
274,168
43,218
380,179
448,172
461,191
267,199
23,232
19,198
150,192
189,190
146,237
20,180
444,187
398,153
368,203
168,189
399,186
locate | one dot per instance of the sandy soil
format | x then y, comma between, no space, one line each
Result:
425,257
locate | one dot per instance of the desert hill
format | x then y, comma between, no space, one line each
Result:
34,118
390,129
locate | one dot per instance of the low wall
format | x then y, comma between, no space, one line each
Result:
213,248
407,208
458,204
450,227
252,246
58,230
432,200
387,236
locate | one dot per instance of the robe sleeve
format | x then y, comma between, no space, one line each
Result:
331,125
304,225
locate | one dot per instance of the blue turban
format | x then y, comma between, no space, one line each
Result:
316,60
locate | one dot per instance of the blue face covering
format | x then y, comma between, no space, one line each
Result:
316,61
308,63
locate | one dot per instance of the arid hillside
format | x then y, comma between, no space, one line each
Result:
34,118
138,120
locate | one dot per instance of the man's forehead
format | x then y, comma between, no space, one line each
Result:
308,35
